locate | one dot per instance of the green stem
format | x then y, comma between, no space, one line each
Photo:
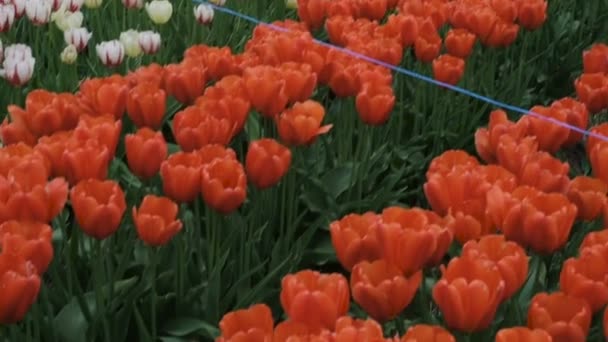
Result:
153,265
99,295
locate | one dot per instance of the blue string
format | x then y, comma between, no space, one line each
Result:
410,73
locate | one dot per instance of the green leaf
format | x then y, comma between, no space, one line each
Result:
323,252
173,148
72,321
184,326
338,180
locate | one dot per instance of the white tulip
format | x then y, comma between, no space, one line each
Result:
67,20
38,11
92,4
69,54
79,37
159,11
149,41
203,14
130,41
7,17
111,53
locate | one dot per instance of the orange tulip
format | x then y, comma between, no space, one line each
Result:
267,162
595,60
448,69
404,27
312,12
301,124
532,218
315,299
30,240
382,290
576,115
156,220
594,238
224,185
488,139
20,286
105,95
544,172
15,132
480,20
46,113
421,220
502,35
52,147
152,73
513,154
181,176
252,324
13,155
300,81
290,331
103,128
185,81
510,258
469,292
98,206
409,248
564,317
532,13
427,333
266,88
585,276
550,136
428,43
589,196
354,239
349,329
195,127
146,105
505,9
26,195
209,153
449,160
592,90
146,150
219,61
375,104
522,334
460,42
86,161
598,156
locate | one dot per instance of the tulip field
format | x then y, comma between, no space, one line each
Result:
304,170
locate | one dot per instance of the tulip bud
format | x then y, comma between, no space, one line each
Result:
38,11
218,2
79,37
291,4
92,4
7,17
130,40
111,53
203,14
69,54
133,3
149,41
159,11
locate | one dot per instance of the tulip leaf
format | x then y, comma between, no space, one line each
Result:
323,252
184,326
72,321
338,180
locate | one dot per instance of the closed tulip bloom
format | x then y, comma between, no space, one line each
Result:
105,96
585,276
532,218
266,88
290,331
487,139
20,285
522,334
596,59
532,14
592,90
104,130
181,176
509,257
350,329
382,290
149,41
565,318
224,185
25,193
146,150
159,11
267,162
589,196
69,55
374,104
146,105
38,11
544,172
7,17
30,240
428,43
314,299
18,69
92,4
312,12
354,238
448,69
130,41
111,53
98,206
460,42
301,124
251,324
195,127
550,137
427,333
89,160
577,115
203,14
593,239
185,82
300,81
468,293
131,4
156,220
450,160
